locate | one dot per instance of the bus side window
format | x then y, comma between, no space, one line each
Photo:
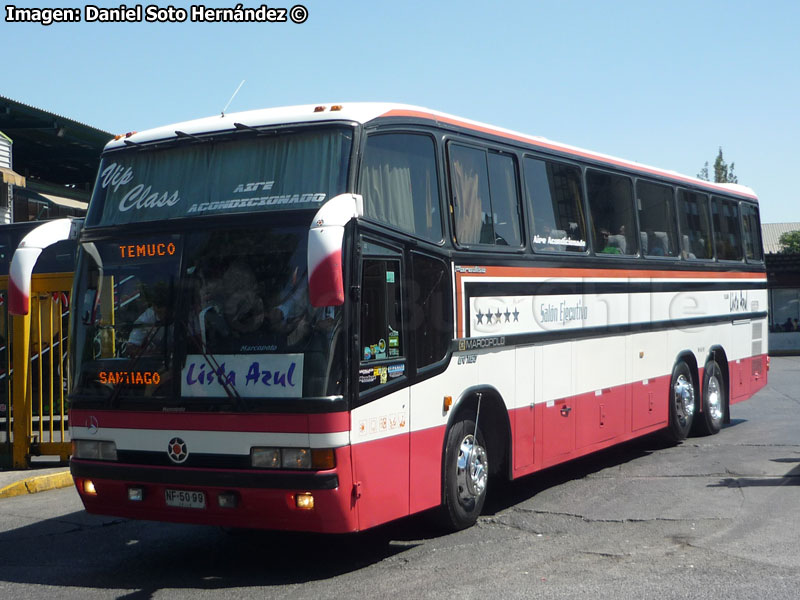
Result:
611,208
431,314
485,197
752,233
555,198
381,310
727,234
656,219
695,226
399,183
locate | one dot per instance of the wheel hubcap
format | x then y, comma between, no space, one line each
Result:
683,393
472,469
714,398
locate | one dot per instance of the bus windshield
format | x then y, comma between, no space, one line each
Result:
193,318
233,174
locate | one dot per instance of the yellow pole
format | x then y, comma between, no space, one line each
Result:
40,361
22,401
51,305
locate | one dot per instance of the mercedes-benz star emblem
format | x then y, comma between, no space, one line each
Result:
177,451
92,425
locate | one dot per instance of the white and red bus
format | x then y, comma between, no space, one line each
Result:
324,318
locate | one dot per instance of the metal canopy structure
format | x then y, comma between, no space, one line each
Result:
52,149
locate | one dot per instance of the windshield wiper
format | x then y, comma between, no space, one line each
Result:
200,339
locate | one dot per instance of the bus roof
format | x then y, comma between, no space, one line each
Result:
364,112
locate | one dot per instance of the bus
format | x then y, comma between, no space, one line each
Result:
328,317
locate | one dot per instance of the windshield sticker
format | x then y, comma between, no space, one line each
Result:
256,202
396,370
560,241
255,186
375,351
139,196
247,375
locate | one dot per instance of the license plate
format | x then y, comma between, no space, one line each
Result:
185,499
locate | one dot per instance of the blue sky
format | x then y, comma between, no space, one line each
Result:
663,83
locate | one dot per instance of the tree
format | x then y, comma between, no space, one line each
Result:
790,242
723,172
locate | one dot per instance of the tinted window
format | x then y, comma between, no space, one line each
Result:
752,232
505,200
695,226
400,185
431,315
555,198
727,235
611,207
380,310
484,187
658,236
298,170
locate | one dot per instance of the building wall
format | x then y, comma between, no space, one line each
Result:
783,281
7,190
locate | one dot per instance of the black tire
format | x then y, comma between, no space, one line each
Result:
682,402
464,483
715,400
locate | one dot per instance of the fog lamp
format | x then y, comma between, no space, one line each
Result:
304,501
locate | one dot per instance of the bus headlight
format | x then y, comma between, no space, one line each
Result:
265,458
94,450
292,458
296,458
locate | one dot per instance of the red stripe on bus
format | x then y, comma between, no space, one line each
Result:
562,148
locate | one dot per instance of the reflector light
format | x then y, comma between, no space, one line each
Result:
448,402
336,107
319,109
88,487
304,501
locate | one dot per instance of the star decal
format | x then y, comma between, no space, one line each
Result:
507,316
516,315
497,315
480,316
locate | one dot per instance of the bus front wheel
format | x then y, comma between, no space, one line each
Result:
681,402
466,475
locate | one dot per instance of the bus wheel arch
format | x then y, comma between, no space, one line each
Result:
470,455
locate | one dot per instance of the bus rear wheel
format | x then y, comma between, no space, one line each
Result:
714,400
681,402
466,475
